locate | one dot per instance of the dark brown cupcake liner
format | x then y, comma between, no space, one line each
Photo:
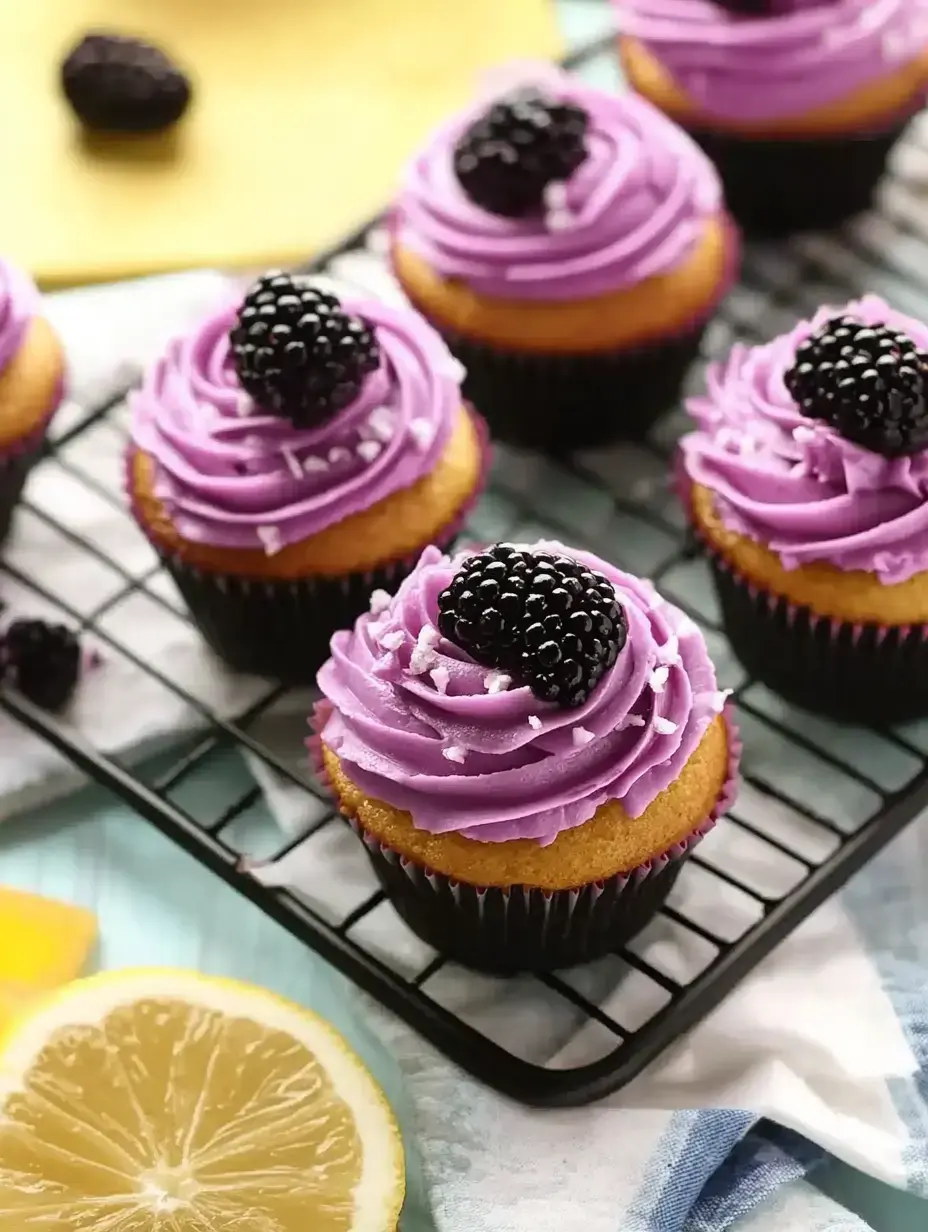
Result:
15,466
865,673
554,403
776,186
281,629
521,928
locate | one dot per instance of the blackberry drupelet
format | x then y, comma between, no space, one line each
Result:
867,381
297,352
523,143
124,85
42,660
551,622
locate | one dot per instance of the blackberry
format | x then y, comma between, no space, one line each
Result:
524,142
123,85
42,660
297,352
551,622
867,381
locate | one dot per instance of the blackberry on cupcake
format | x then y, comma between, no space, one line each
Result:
297,352
511,153
549,619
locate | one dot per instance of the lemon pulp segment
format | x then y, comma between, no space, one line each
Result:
161,1114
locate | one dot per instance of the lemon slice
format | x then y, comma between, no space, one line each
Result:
165,1101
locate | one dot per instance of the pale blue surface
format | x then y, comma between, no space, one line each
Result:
156,905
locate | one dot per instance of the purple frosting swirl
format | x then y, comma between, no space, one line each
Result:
233,476
801,55
19,303
792,483
635,207
417,723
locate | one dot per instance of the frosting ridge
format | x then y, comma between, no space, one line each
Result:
417,723
19,303
793,483
233,476
801,55
636,207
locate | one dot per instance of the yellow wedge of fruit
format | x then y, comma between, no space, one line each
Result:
43,943
166,1101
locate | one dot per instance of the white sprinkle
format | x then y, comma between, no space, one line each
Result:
422,432
630,720
244,406
292,462
581,736
454,752
658,679
381,423
424,657
664,727
338,453
496,682
555,195
380,601
559,220
270,539
669,653
440,678
313,465
392,640
422,660
368,450
457,371
534,722
717,700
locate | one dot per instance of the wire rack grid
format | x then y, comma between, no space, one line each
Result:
817,801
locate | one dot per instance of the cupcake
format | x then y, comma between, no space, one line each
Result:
529,741
31,383
797,102
807,481
293,454
570,245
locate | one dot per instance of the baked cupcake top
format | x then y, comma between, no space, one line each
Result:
19,303
767,59
355,400
556,191
427,726
816,444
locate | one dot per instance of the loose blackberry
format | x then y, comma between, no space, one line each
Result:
524,142
124,85
42,660
867,381
551,622
297,352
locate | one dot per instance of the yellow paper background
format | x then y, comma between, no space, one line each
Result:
305,112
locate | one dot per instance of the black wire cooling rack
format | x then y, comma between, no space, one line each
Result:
818,800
